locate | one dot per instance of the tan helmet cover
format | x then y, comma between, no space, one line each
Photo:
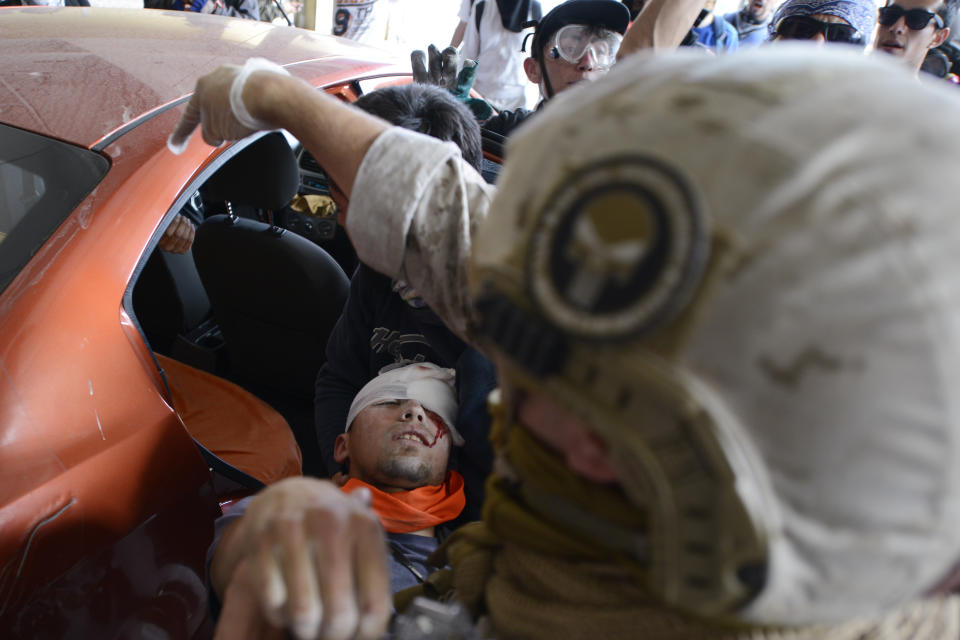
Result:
744,273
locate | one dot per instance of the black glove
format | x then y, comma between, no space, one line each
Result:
442,71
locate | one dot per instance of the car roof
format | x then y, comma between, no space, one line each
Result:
83,74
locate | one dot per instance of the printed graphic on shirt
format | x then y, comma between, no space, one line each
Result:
408,294
357,20
384,340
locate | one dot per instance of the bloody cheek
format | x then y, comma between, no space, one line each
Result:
438,436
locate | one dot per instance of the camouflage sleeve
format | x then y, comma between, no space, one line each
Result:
414,210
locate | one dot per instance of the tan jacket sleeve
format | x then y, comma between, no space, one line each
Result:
414,212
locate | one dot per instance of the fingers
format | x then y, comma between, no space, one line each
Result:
268,582
334,540
177,142
435,65
241,617
317,562
373,582
466,77
448,68
217,106
178,238
301,566
418,62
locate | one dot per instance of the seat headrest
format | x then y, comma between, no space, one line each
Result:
264,175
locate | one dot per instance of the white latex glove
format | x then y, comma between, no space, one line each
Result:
308,558
217,106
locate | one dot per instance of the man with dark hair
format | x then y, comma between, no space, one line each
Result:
397,439
385,323
909,29
428,110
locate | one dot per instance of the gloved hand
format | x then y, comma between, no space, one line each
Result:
217,106
442,71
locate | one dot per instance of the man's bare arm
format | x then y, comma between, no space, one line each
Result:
458,34
661,25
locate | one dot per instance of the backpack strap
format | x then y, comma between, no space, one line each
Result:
479,14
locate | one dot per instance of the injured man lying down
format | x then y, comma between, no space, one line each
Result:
395,447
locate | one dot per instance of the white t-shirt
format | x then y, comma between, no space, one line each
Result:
361,20
500,79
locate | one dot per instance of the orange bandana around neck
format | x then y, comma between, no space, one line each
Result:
409,511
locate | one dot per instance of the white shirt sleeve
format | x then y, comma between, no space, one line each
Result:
465,8
470,48
414,210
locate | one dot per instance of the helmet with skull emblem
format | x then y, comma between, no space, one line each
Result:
727,289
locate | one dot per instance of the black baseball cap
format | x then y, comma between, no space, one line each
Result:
607,14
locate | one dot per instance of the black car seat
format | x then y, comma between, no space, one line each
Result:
275,295
169,300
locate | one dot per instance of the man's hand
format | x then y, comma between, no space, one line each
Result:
217,106
178,238
307,558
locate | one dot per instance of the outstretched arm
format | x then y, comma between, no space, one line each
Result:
437,200
661,25
304,557
337,134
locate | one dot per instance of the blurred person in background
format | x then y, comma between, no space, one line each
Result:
910,29
821,21
751,21
361,20
249,9
492,34
713,32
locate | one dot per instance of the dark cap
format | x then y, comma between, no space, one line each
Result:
607,14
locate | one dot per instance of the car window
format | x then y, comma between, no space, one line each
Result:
41,181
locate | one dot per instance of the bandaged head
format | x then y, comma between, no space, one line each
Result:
430,385
742,274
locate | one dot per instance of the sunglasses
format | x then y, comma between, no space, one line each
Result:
915,19
805,28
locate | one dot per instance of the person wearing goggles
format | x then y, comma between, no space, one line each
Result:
910,28
822,21
574,42
578,40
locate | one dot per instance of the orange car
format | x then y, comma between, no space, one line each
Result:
141,389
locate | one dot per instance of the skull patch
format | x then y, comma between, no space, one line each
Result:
617,248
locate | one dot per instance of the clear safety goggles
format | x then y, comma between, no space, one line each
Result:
572,42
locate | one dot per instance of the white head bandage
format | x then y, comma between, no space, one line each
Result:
428,384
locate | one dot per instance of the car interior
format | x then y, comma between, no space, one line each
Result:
255,299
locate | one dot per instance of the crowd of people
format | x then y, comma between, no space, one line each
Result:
701,337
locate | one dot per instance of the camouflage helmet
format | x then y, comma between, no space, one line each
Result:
742,274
